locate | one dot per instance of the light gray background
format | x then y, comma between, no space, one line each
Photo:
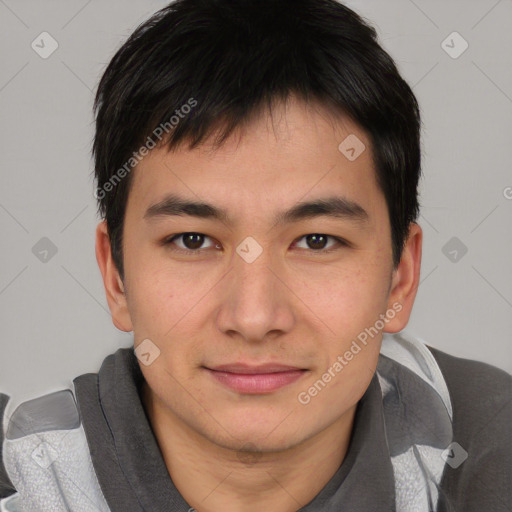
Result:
54,319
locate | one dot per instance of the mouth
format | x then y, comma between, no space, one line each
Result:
259,379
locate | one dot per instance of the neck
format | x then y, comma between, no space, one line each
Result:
212,478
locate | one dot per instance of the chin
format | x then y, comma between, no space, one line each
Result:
266,432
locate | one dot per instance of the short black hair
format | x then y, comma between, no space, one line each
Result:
226,60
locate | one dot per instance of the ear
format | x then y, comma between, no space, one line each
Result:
114,287
405,280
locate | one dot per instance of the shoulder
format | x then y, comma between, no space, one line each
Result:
6,486
477,389
481,395
42,432
45,413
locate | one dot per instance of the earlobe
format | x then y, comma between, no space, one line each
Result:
405,280
114,287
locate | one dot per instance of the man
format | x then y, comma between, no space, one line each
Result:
257,165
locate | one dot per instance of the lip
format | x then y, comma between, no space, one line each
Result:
247,369
261,379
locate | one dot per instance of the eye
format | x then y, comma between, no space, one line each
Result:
190,242
318,241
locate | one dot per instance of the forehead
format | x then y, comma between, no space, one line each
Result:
295,153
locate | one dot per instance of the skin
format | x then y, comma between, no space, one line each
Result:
292,305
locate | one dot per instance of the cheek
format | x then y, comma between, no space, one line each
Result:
154,298
346,298
158,293
170,304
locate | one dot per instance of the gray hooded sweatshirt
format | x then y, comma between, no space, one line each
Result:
432,432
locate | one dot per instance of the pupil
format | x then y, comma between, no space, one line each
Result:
190,243
313,241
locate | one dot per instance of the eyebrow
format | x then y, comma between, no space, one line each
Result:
333,206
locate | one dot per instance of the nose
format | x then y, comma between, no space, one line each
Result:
258,301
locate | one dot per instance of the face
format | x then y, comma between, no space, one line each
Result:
253,286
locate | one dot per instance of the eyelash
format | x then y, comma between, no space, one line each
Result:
191,252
